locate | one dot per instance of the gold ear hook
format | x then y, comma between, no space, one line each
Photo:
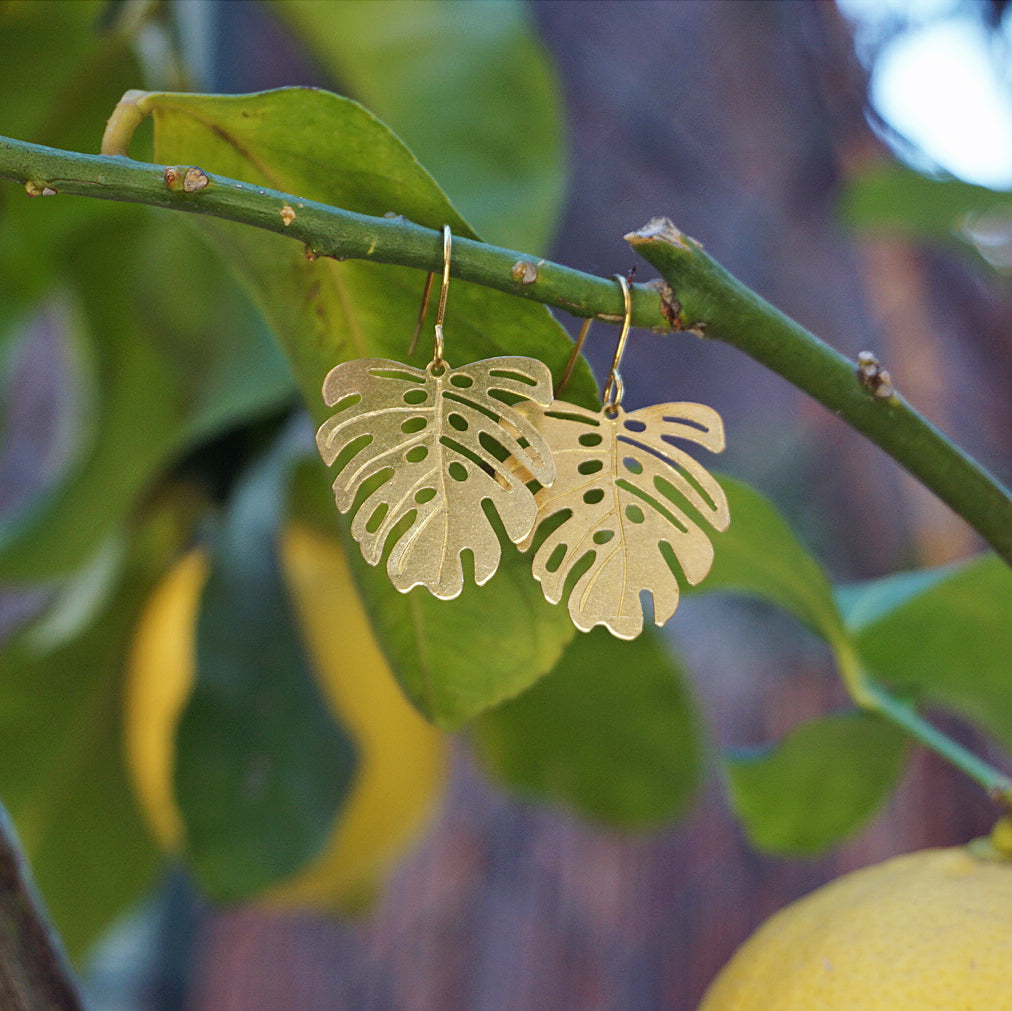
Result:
437,346
441,310
614,388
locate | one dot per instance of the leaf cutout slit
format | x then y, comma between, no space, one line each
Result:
376,519
517,377
571,415
469,454
668,554
653,502
675,461
466,402
347,402
350,451
400,374
678,498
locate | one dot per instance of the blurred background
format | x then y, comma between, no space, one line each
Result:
761,129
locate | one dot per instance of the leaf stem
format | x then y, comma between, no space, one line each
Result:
873,697
698,295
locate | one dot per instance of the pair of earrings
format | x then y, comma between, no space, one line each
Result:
432,462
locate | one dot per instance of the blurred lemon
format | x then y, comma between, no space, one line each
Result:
928,930
401,758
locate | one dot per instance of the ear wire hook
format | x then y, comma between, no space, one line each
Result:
441,310
614,388
437,346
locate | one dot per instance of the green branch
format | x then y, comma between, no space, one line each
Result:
699,295
717,305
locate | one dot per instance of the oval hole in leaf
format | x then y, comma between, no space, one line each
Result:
593,496
457,471
413,425
632,465
461,382
634,514
590,439
590,467
415,397
416,454
634,425
603,536
425,495
455,421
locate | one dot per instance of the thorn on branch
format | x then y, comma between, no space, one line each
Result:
185,178
524,272
875,379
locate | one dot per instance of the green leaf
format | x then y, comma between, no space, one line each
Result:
468,87
161,373
818,785
456,658
452,658
262,767
951,642
326,148
900,199
759,555
63,776
863,604
611,733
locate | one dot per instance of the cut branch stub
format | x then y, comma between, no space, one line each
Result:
420,452
619,499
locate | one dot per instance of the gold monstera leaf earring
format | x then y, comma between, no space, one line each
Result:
627,508
421,453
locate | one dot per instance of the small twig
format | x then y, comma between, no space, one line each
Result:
34,974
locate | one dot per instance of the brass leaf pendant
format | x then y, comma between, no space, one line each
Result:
628,504
420,452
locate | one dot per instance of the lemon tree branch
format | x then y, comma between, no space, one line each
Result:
698,295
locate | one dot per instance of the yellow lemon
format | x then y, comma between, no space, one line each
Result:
928,930
401,758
